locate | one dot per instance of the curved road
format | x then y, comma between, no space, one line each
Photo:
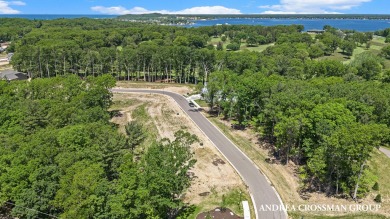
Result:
262,193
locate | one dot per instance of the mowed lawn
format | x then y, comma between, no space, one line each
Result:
259,48
376,45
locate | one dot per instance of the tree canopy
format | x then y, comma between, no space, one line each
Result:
61,157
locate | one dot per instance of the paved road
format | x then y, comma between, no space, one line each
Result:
263,194
385,151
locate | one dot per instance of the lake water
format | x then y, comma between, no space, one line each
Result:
352,24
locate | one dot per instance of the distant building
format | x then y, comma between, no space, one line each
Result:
11,75
3,46
316,31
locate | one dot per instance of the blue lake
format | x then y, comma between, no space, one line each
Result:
351,24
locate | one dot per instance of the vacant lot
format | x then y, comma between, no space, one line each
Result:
161,117
182,89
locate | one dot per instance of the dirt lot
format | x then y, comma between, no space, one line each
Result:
4,65
212,174
219,214
177,88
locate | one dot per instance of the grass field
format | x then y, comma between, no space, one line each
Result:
376,45
202,103
244,46
259,48
380,165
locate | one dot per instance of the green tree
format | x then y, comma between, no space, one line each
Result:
385,52
347,47
233,46
82,191
331,43
367,65
219,46
251,41
315,51
375,187
164,174
135,134
181,41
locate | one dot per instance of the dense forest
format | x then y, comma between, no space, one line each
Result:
329,126
324,115
61,158
128,51
131,51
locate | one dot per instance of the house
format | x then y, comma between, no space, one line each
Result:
10,75
316,31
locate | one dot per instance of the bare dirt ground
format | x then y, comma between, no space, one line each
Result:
211,173
4,64
218,214
177,88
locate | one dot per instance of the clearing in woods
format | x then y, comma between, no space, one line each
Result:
212,176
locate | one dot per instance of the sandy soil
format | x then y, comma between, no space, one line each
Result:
218,214
177,88
211,173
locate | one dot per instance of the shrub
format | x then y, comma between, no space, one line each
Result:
378,198
233,46
376,187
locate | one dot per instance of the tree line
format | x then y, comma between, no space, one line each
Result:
132,51
60,157
328,126
128,51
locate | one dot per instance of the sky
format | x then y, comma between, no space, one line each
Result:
118,7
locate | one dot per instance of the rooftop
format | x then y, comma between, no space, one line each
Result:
12,75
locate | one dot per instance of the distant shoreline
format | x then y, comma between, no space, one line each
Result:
207,17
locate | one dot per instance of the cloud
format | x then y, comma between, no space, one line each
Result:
209,10
18,3
6,9
139,10
311,6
